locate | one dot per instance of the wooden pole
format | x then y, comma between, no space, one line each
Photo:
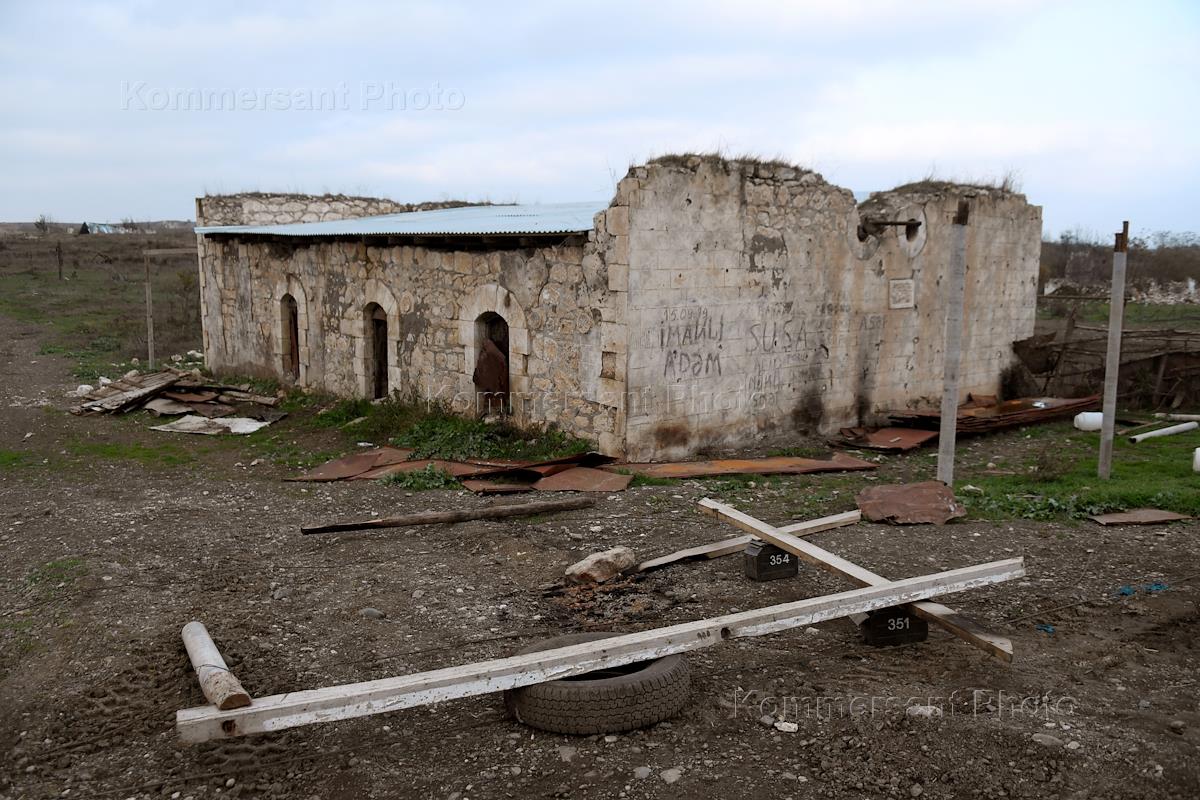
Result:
292,709
952,348
149,316
963,627
58,255
442,517
738,543
1112,364
219,685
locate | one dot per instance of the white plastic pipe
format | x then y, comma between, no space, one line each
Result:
1180,417
1168,431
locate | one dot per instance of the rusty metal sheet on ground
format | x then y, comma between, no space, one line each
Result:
212,410
983,414
1138,516
355,464
495,487
584,479
887,438
910,503
456,469
542,468
777,465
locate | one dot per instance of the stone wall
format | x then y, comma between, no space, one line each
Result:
554,299
756,313
715,305
260,208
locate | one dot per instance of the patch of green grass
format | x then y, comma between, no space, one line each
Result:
279,447
95,314
18,641
341,413
648,480
54,574
444,435
13,458
1060,481
431,477
821,495
166,454
1171,315
801,451
434,432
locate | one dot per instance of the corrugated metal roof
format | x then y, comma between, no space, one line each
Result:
464,221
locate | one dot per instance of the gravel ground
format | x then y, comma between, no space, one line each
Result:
107,556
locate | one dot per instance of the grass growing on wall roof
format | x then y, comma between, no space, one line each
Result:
716,156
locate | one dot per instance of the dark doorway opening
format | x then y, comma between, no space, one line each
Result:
376,350
290,315
491,364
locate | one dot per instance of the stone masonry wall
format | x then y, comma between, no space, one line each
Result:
258,208
554,298
755,312
715,305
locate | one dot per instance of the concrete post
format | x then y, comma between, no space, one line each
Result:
1112,364
952,351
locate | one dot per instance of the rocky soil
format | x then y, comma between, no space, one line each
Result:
109,551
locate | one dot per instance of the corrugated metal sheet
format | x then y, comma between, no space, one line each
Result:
465,221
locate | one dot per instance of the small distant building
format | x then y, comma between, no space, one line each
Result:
711,304
101,228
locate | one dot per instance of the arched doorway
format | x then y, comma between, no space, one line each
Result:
491,364
375,319
289,314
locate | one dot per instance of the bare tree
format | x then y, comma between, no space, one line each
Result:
42,224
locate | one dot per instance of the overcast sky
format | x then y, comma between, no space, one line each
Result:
131,109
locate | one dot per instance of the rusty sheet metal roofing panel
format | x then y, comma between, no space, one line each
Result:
542,218
775,465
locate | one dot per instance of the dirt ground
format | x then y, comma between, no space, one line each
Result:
115,536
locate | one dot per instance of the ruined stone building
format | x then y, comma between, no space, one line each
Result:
711,304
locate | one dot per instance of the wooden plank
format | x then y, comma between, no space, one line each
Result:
822,524
293,709
962,627
727,547
219,685
463,515
737,544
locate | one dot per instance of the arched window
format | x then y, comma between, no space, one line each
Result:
289,316
375,319
491,374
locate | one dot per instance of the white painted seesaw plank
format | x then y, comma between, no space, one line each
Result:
392,694
963,627
738,543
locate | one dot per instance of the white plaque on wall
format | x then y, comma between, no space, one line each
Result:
901,293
